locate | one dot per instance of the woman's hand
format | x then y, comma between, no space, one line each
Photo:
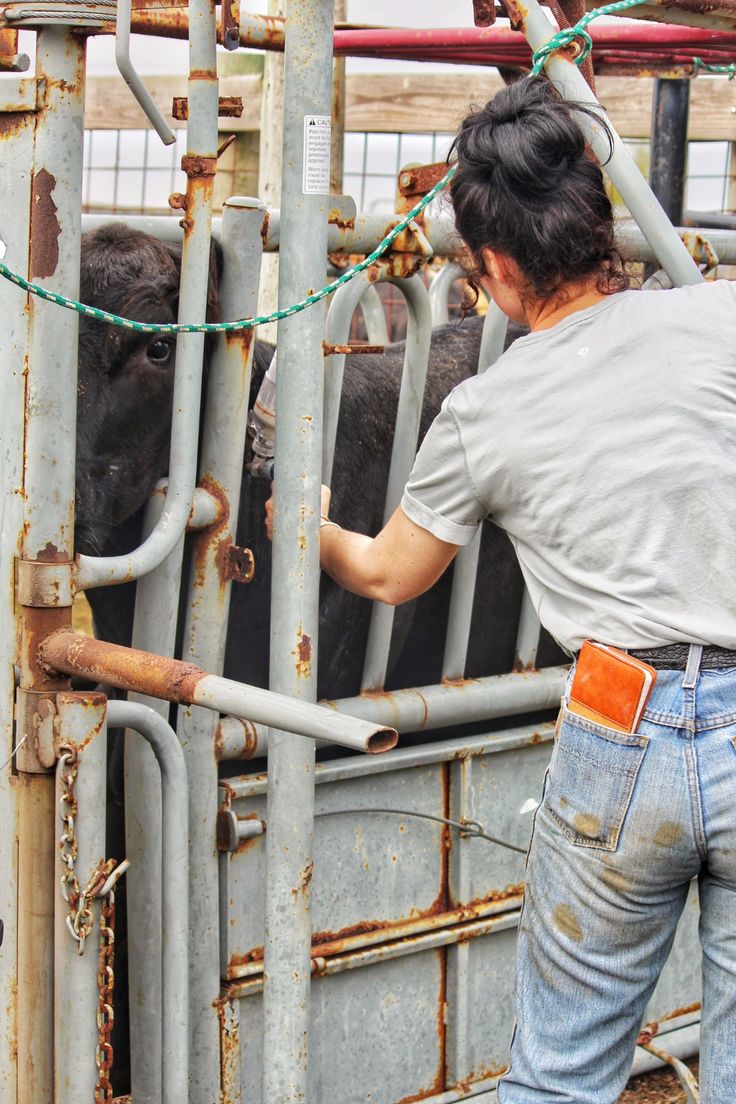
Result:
325,495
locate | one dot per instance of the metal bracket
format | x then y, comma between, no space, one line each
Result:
233,830
45,585
22,97
35,727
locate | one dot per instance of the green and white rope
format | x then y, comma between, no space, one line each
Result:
568,35
242,323
727,70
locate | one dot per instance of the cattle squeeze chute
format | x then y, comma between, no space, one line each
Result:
364,949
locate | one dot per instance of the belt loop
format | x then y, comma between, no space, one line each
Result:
694,657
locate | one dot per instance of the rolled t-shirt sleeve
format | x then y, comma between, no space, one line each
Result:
440,495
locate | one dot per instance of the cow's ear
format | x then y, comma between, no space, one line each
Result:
213,279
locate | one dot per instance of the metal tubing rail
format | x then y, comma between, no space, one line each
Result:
205,630
440,231
619,165
128,669
295,570
154,630
15,196
459,701
82,726
200,164
406,432
174,880
131,78
465,570
47,536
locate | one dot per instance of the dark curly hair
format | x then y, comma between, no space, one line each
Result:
527,186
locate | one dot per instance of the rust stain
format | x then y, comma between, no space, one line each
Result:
647,1033
303,653
334,218
11,123
686,1010
668,834
305,876
45,228
567,923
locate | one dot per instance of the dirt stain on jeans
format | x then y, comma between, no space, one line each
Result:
668,834
566,922
586,824
616,880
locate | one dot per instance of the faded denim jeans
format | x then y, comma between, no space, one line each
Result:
626,821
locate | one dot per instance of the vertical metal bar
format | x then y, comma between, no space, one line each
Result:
76,994
16,145
48,490
466,562
408,415
620,167
221,467
295,613
439,291
154,629
668,153
175,883
374,317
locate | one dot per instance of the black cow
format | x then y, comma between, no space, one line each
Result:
125,391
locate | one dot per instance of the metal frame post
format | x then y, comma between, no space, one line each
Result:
668,150
295,613
48,518
205,630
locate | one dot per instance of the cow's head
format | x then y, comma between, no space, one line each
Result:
126,378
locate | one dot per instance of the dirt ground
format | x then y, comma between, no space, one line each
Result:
658,1087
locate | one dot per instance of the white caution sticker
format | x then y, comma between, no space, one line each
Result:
317,134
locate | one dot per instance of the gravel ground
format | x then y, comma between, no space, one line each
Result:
658,1087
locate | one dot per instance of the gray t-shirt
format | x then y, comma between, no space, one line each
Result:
606,448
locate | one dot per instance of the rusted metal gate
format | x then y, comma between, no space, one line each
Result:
405,993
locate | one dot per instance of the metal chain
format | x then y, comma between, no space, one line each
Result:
80,919
105,1011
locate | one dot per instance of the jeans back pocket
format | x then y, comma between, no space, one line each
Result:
591,780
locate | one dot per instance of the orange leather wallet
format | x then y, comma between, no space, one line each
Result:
610,687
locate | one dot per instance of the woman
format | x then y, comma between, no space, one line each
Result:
604,443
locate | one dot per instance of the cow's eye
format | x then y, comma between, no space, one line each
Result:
159,351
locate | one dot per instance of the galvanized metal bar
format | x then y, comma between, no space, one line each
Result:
370,229
83,728
439,292
199,163
48,513
221,468
128,669
131,78
174,977
15,195
374,317
453,703
620,166
337,330
465,570
154,630
295,593
403,451
440,751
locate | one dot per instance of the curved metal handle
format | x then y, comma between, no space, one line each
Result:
131,78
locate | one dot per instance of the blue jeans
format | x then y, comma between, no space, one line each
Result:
626,821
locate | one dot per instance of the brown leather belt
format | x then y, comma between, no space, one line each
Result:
673,657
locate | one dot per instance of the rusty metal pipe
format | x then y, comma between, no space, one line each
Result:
171,679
